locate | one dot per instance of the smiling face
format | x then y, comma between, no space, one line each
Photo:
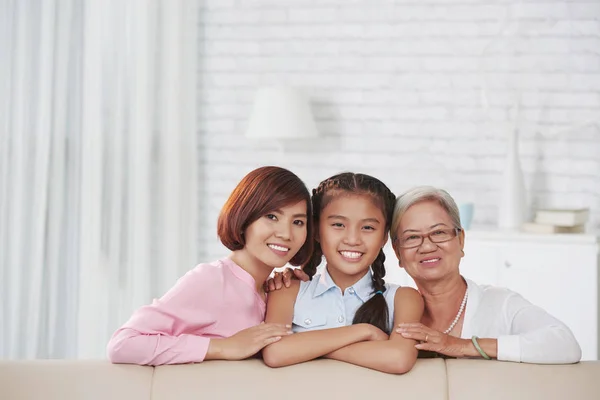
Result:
351,233
429,261
273,239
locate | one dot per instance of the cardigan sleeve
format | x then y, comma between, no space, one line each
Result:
168,331
535,336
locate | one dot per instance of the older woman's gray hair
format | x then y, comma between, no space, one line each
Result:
419,194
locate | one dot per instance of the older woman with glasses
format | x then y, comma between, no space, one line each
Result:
462,318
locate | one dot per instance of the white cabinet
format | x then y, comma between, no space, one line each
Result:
556,272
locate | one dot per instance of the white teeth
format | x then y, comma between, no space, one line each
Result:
351,254
430,261
278,248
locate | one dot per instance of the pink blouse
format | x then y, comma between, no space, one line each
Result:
214,300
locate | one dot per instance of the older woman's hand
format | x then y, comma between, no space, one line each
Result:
284,278
432,340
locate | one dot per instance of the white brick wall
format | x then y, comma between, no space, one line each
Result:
396,94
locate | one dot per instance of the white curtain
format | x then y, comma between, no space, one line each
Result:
98,167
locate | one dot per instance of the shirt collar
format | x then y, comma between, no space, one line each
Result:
239,272
363,288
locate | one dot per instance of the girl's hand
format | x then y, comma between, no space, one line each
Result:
433,340
284,278
248,342
376,334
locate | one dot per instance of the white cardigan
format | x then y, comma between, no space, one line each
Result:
525,332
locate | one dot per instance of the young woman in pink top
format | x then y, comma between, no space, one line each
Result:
216,310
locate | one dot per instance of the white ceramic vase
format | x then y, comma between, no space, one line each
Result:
513,201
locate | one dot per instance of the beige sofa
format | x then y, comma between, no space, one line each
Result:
322,379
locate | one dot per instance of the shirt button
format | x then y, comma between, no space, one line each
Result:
341,318
351,290
307,321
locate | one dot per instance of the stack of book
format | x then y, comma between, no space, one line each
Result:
558,221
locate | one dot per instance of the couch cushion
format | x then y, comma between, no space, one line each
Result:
490,380
319,379
65,380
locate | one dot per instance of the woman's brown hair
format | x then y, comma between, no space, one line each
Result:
260,192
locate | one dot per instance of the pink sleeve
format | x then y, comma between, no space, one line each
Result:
161,333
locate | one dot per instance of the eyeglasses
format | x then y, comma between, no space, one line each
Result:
412,240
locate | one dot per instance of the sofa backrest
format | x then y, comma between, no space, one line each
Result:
430,379
319,379
65,380
497,380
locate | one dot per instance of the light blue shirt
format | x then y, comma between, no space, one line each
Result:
320,304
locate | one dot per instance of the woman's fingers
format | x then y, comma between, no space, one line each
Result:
274,330
272,325
427,346
278,279
416,336
414,329
419,332
270,340
412,325
301,275
270,285
287,277
405,330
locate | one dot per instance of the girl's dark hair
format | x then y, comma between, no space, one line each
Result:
375,310
262,191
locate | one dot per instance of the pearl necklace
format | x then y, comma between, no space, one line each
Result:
460,311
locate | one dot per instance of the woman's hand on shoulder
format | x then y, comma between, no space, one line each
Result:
247,342
432,340
285,278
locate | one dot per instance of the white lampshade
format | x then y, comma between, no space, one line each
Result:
281,113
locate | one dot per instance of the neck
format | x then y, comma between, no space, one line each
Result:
258,270
344,281
442,299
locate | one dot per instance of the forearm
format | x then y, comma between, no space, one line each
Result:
489,347
384,356
550,345
128,346
215,350
535,336
305,346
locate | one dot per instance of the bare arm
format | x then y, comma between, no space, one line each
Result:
396,355
304,346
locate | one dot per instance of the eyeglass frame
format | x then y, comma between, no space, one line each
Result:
428,235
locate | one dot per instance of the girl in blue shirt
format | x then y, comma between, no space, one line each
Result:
347,312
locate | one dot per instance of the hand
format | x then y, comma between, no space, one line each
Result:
432,340
248,342
284,278
374,333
